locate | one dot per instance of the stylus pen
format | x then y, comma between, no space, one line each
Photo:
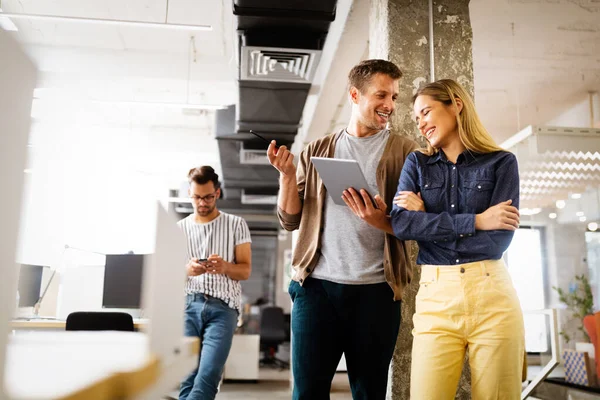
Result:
263,138
259,136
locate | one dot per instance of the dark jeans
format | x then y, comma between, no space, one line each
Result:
329,319
214,323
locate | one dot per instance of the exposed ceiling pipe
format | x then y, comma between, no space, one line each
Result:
105,21
431,44
167,12
591,95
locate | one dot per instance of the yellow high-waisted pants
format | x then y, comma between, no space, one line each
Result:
464,307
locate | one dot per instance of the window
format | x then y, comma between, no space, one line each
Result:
592,240
525,261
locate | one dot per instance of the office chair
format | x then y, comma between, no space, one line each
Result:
272,334
99,321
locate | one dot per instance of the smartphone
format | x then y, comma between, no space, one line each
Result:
202,260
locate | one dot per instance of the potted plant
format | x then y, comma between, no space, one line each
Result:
580,303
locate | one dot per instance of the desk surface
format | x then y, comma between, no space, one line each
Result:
83,365
41,323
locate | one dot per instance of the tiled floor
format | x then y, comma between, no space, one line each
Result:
275,385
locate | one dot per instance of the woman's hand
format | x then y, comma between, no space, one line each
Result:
501,216
409,201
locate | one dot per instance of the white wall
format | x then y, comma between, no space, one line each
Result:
83,191
17,81
566,257
282,298
578,116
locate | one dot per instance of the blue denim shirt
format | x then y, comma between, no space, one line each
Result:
453,194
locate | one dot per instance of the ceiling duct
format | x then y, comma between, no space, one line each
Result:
253,153
304,10
279,48
259,196
271,106
278,64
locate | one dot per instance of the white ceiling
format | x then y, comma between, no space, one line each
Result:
533,60
530,77
85,61
149,61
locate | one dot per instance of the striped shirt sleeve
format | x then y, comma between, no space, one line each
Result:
242,233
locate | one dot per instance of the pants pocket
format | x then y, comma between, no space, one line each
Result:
295,290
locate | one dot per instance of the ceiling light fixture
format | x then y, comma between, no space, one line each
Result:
165,105
103,21
63,99
593,226
582,219
552,215
580,213
560,204
576,196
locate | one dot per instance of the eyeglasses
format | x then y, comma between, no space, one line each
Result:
209,198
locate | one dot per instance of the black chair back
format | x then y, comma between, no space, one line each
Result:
99,321
272,325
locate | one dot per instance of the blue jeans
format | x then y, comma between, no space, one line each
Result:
329,319
214,322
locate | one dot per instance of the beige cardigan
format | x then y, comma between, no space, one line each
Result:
312,192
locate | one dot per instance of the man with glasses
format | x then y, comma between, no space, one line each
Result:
219,254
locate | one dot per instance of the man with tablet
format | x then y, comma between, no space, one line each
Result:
349,274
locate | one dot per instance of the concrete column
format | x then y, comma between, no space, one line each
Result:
399,32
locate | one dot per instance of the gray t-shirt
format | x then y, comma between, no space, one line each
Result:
351,249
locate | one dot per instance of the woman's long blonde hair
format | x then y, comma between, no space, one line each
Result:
471,131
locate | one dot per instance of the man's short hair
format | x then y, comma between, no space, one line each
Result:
361,74
204,174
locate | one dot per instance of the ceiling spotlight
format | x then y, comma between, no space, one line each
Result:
576,195
580,213
105,21
582,219
552,215
593,226
560,203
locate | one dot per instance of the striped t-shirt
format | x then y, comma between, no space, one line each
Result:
219,236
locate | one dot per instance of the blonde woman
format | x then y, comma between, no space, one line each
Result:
459,200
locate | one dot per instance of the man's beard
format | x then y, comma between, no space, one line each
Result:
372,124
205,211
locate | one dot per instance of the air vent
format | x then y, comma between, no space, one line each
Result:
256,198
253,156
276,64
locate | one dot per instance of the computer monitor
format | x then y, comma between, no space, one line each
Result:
30,284
123,281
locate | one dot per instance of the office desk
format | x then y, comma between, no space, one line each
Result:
244,358
90,365
59,324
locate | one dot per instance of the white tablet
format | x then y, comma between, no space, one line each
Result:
338,175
